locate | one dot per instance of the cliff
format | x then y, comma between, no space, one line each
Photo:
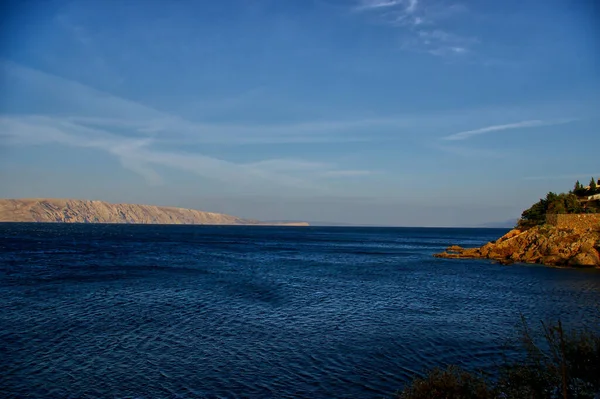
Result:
82,211
546,244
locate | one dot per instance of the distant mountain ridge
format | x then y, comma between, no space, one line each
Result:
507,224
47,210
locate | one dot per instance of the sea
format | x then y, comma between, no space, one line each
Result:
144,311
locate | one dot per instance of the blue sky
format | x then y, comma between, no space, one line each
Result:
389,112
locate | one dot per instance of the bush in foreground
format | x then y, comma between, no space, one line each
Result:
452,382
557,365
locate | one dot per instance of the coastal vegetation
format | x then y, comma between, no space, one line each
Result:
575,201
555,364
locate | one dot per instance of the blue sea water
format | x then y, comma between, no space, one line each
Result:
131,311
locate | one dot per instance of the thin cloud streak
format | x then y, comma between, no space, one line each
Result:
89,107
139,155
174,128
375,4
509,126
409,6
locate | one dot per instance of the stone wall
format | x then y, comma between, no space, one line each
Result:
574,221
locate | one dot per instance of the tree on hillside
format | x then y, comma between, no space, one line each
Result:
535,215
579,189
553,204
593,187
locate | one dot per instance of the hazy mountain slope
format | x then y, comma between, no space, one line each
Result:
82,211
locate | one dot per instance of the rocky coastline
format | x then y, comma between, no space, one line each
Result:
545,244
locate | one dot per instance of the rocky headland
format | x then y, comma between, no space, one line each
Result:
83,211
544,244
558,230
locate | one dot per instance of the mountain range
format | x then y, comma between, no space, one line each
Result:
84,211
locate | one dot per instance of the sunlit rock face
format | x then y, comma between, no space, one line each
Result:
546,245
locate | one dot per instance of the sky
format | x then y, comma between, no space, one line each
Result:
379,112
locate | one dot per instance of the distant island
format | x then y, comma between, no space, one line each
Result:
558,230
44,210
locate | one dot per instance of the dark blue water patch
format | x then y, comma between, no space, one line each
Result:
224,312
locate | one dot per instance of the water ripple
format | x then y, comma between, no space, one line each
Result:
212,312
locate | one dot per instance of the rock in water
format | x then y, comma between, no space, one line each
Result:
545,244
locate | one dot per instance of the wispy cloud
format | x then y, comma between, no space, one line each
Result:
408,5
87,107
439,42
143,139
394,12
509,126
412,6
174,129
420,24
142,156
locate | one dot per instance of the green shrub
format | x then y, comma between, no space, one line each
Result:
579,189
557,364
593,187
560,364
553,204
451,383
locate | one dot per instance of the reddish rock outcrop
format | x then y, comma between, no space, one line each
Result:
546,245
